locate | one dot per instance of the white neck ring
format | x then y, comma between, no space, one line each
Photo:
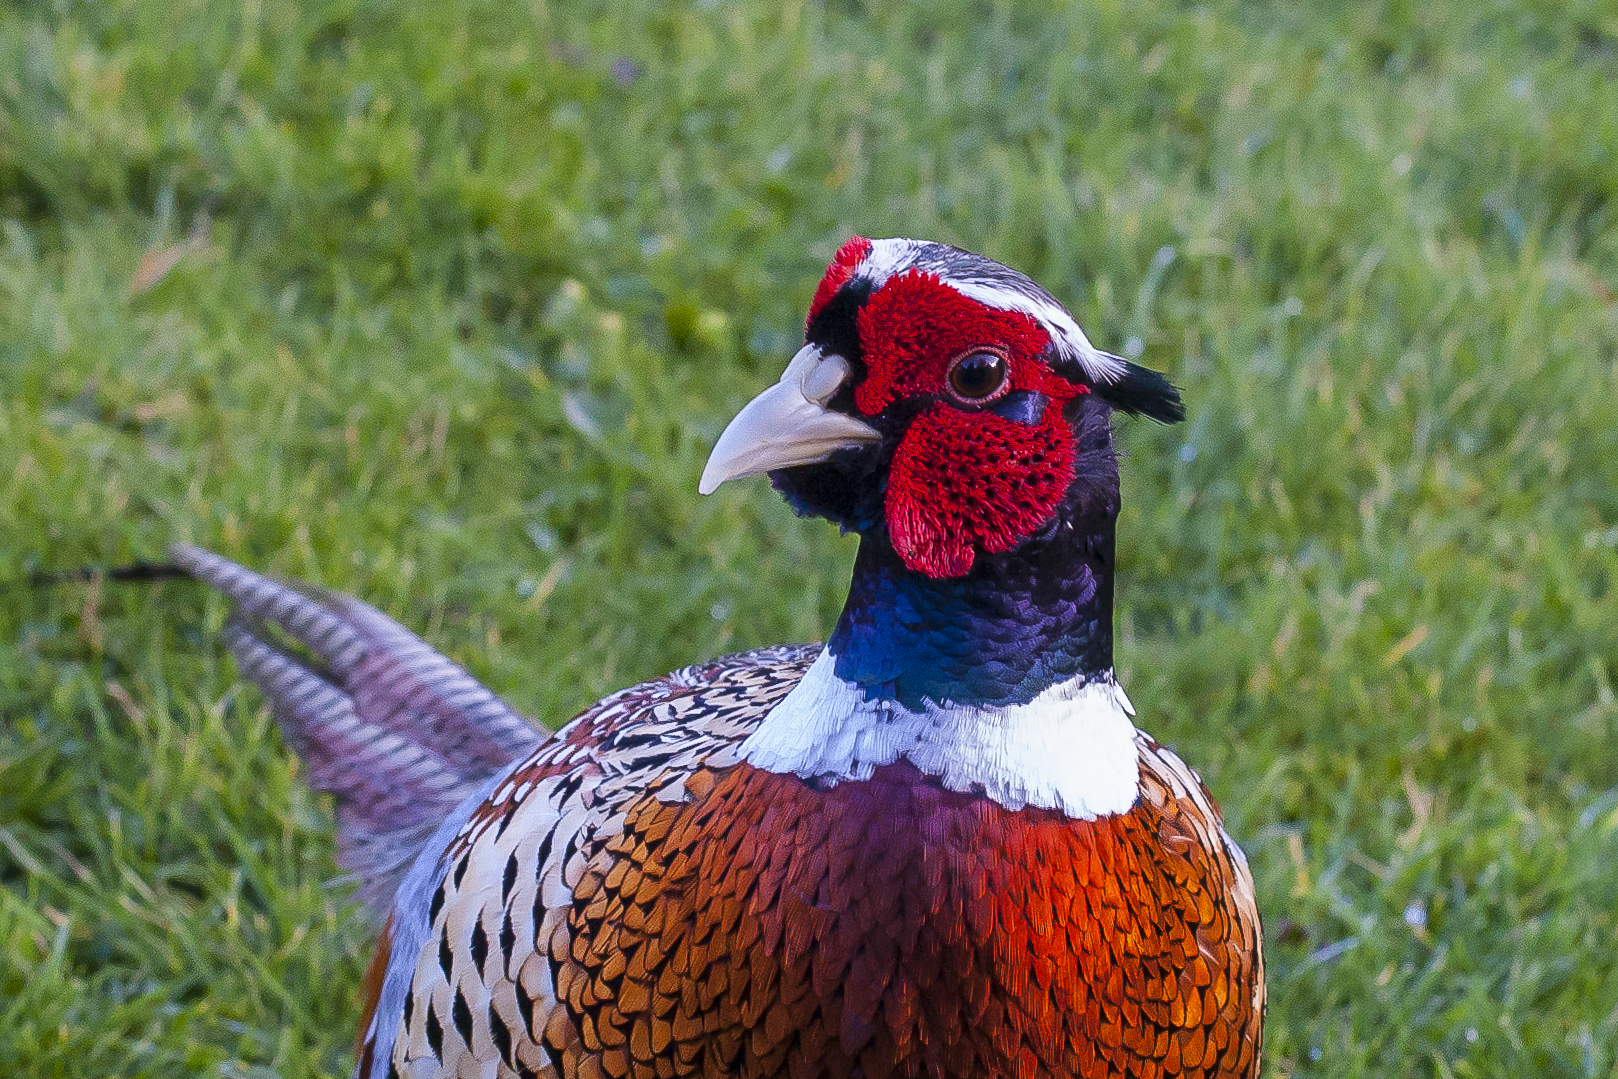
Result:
1071,748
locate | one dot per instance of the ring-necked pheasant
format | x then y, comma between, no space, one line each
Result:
936,846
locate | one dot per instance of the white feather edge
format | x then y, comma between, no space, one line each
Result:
1072,748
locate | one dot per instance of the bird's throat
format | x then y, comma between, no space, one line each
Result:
1018,624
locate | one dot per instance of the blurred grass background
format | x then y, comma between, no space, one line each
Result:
442,305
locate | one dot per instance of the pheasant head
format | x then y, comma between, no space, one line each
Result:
941,402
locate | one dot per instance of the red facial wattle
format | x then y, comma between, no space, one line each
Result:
962,480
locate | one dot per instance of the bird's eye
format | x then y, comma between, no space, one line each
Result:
978,376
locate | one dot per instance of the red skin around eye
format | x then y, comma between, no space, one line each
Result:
914,325
843,265
961,481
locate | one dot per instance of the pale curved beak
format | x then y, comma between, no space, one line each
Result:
788,424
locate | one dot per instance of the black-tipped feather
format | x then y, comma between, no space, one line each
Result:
1142,392
394,730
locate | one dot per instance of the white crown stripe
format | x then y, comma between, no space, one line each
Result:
886,258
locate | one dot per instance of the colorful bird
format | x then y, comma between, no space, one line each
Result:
936,846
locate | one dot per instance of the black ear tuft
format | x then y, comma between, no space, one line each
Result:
1142,392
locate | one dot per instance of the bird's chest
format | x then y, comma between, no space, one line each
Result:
892,927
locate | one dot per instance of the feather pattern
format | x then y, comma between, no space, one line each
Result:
631,898
635,900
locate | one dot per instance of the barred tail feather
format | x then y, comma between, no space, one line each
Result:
395,731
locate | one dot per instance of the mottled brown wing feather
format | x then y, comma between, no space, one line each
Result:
479,985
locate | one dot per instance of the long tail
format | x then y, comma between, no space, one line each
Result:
135,571
394,730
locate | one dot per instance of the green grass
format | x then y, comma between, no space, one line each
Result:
468,289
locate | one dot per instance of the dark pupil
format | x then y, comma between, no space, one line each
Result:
979,375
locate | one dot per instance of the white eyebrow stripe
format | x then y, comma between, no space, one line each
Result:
892,255
1098,366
